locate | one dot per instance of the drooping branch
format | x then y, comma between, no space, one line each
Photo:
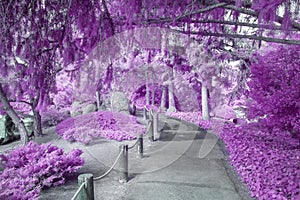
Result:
182,18
203,10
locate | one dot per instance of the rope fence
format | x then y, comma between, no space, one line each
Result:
135,143
85,190
86,187
140,146
152,129
111,168
78,191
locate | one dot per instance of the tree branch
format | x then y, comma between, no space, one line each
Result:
203,10
21,102
206,9
239,24
255,14
109,17
252,37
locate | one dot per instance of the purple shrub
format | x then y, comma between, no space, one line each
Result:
53,116
110,125
30,168
266,153
274,89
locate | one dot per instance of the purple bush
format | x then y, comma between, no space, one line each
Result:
268,162
30,168
53,116
110,125
274,89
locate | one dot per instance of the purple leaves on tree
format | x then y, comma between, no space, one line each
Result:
274,89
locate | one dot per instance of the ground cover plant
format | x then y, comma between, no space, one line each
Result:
110,125
268,162
266,152
30,168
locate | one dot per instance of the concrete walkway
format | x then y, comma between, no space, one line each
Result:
171,168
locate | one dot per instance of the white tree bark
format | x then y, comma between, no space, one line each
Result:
172,107
147,90
204,100
163,98
153,95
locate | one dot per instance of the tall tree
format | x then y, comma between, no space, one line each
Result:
39,38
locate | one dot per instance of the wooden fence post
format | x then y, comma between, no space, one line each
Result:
155,126
140,146
123,163
87,192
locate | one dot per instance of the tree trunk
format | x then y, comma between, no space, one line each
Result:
15,118
163,98
204,96
147,90
37,124
98,100
172,107
37,119
153,96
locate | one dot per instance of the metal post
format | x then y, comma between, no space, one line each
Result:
87,192
155,126
123,163
140,146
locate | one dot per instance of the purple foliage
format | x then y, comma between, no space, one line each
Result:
192,117
268,162
30,168
274,89
18,106
110,125
53,116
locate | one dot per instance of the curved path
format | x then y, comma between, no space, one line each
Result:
171,168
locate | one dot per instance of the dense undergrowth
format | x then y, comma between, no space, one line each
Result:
32,167
268,162
110,125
